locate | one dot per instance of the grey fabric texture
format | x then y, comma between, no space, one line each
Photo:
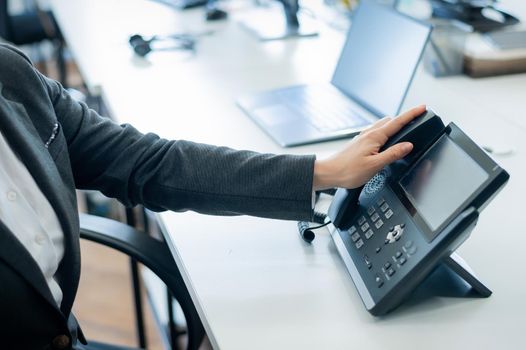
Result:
65,145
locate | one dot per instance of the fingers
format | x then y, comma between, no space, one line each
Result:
381,122
394,153
399,122
376,125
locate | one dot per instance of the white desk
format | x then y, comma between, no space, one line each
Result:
254,282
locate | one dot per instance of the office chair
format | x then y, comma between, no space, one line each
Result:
31,27
153,254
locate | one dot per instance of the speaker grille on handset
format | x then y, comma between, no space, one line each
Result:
376,183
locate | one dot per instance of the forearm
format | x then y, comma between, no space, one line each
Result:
143,169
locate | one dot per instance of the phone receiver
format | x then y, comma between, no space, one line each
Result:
421,132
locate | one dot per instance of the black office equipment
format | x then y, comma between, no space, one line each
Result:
410,218
482,15
183,4
376,66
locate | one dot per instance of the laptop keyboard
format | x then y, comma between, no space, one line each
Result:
325,109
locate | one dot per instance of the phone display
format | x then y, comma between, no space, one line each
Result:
440,182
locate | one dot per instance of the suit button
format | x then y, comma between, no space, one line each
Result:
60,342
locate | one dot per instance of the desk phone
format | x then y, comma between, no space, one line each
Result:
411,216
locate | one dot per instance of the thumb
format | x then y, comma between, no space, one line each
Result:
395,152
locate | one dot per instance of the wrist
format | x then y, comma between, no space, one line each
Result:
324,175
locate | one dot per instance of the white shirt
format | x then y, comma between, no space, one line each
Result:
28,214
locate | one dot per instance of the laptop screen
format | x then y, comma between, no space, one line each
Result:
379,58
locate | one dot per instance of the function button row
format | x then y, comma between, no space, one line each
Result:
400,258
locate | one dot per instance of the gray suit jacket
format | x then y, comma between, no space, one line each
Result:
65,146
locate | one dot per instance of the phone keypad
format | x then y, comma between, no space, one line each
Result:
365,228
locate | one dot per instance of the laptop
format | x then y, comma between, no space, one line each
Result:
372,77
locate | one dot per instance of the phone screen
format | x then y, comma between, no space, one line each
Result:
441,181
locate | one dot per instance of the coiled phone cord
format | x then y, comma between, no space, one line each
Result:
304,228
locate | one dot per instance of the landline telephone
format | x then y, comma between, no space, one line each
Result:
410,217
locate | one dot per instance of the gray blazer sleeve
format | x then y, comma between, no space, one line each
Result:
145,169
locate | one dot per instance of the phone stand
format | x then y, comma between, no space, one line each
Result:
459,266
451,279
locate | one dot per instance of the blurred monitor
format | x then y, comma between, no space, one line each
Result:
269,22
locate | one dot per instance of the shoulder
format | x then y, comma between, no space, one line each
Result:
12,58
17,73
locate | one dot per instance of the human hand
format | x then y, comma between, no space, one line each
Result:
361,158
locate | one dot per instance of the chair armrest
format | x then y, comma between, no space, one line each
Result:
153,254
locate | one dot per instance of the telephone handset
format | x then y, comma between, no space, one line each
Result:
421,131
410,217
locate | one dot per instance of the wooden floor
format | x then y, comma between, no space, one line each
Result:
104,305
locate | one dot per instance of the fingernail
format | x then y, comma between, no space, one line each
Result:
407,146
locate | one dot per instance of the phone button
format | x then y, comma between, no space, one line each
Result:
367,262
352,230
370,211
375,217
369,234
355,236
365,227
379,281
389,213
361,221
384,207
359,244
